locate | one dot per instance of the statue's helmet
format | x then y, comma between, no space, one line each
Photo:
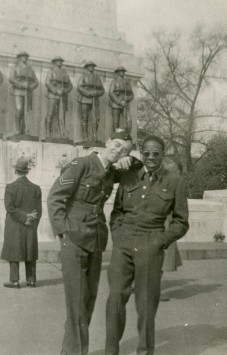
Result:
120,69
90,64
22,54
58,58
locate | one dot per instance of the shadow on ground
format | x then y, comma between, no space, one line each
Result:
193,339
187,291
48,282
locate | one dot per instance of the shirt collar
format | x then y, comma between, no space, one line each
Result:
159,172
104,164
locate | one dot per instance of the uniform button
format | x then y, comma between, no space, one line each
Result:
88,185
107,195
143,196
135,249
102,192
144,187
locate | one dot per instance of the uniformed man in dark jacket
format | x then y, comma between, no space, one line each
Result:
121,95
145,197
58,86
75,206
24,82
23,204
90,88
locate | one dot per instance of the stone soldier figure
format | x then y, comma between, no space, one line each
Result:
120,96
90,88
24,81
58,85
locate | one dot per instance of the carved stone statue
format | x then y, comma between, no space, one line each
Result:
90,88
58,86
24,81
121,95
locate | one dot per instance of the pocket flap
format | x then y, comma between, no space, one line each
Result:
130,188
165,195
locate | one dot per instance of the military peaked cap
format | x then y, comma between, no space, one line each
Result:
120,69
21,54
55,59
124,135
89,63
22,165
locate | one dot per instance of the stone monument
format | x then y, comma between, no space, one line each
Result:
79,31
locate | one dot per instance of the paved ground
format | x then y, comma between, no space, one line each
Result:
194,322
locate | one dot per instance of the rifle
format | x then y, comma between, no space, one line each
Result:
94,120
61,118
26,114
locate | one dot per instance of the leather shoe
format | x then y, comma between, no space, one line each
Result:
12,284
164,299
31,284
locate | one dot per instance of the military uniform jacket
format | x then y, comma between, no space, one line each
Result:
142,206
89,86
57,78
20,241
76,200
120,90
22,73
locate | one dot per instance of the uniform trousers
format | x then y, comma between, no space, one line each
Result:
19,102
30,270
81,273
90,111
53,110
138,258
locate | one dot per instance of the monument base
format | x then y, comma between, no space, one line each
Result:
22,137
89,144
57,140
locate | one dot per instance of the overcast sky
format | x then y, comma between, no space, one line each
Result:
138,18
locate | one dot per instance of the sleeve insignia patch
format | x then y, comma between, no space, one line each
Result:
65,181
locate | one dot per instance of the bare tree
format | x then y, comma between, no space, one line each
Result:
178,74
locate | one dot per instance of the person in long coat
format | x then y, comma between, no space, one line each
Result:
23,205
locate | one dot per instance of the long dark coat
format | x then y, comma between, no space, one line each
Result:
20,241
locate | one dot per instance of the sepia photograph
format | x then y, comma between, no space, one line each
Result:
113,177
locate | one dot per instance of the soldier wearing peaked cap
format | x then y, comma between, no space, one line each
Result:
58,86
23,205
24,81
75,207
90,88
121,95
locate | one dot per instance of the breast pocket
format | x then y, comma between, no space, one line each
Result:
87,191
162,201
130,196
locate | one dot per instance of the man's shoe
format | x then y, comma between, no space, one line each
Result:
12,284
31,284
164,299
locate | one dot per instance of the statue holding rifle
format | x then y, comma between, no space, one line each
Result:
121,95
58,86
24,81
90,88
